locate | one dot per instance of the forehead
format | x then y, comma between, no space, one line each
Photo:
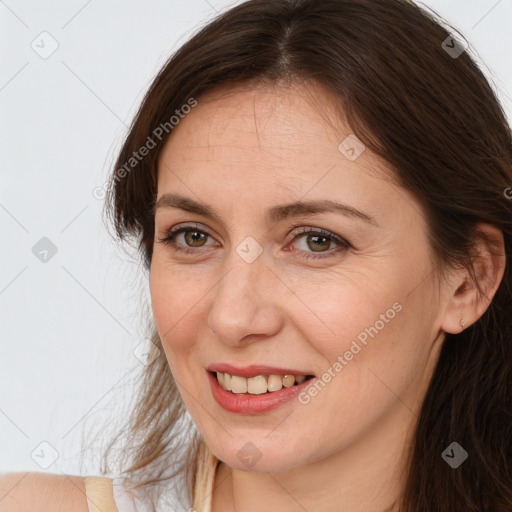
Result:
267,142
268,119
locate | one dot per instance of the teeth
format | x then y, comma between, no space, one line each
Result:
257,385
275,383
227,381
238,384
288,381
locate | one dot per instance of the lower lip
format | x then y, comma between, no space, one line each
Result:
254,404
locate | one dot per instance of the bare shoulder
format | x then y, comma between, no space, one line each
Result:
39,492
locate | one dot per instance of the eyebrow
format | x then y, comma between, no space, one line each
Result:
273,214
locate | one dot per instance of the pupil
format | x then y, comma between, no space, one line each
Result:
317,238
196,235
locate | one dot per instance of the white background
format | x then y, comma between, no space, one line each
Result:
68,327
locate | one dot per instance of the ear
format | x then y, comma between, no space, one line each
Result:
464,301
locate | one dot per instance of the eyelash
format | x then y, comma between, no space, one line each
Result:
344,245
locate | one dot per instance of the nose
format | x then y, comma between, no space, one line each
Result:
245,307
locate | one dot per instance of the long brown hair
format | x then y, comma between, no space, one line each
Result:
432,115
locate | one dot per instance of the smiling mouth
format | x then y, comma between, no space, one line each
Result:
258,385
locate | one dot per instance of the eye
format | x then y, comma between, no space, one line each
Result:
315,239
192,236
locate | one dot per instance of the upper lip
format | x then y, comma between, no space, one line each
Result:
253,370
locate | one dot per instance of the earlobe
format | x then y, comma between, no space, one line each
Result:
466,303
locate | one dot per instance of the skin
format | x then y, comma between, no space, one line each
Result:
243,150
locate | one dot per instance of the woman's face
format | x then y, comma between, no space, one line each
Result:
363,318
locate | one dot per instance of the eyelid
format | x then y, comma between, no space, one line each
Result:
343,244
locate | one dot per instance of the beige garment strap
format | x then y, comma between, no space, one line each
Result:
207,465
100,494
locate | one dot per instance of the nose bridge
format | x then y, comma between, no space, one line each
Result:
241,304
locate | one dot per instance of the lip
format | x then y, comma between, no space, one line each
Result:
254,370
254,404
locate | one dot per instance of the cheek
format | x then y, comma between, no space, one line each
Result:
374,343
359,327
168,303
333,313
178,303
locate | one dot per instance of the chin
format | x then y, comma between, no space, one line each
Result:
254,457
270,464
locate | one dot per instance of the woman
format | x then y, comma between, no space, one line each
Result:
319,195
350,358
